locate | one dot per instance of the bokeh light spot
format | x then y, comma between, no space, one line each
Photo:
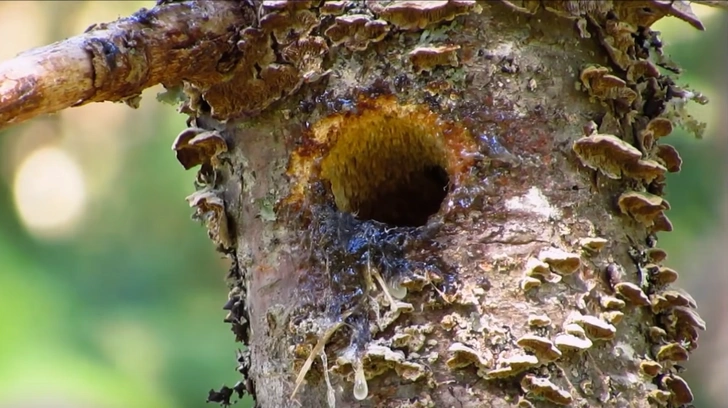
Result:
49,192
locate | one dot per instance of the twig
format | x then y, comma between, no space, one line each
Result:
116,61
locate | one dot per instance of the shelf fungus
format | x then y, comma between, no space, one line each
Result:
288,20
416,15
605,86
195,147
574,329
669,157
425,59
333,7
642,69
356,31
611,303
682,317
643,207
659,397
210,209
539,321
593,244
657,128
527,283
375,361
594,327
510,366
616,158
571,343
661,223
650,368
632,294
656,334
543,388
541,347
412,337
462,356
668,299
664,276
672,352
656,255
612,316
540,270
562,262
680,392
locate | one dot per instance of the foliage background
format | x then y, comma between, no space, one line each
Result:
111,297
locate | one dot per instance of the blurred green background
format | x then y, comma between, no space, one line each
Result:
110,296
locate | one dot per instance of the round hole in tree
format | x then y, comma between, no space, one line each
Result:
388,168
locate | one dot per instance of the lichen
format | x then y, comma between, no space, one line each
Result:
386,167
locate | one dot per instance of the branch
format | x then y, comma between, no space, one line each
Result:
116,61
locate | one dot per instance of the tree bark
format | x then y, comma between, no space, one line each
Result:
116,61
535,280
456,207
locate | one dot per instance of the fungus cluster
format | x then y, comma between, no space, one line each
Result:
627,147
372,182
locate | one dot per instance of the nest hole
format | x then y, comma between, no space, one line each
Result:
388,169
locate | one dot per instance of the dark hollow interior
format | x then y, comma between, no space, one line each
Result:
408,199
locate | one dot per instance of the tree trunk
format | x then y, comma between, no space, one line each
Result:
445,203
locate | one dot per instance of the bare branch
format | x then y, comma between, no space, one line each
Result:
116,61
713,3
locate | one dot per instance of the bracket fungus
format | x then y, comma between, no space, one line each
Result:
593,244
672,352
527,283
562,262
416,15
541,347
210,208
612,316
463,356
659,397
571,343
428,58
545,389
679,389
643,207
610,302
195,147
657,128
539,321
605,86
650,368
670,157
356,31
668,299
656,255
333,7
595,328
510,366
539,270
606,153
632,294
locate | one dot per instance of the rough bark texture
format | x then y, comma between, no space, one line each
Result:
456,206
116,61
534,280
